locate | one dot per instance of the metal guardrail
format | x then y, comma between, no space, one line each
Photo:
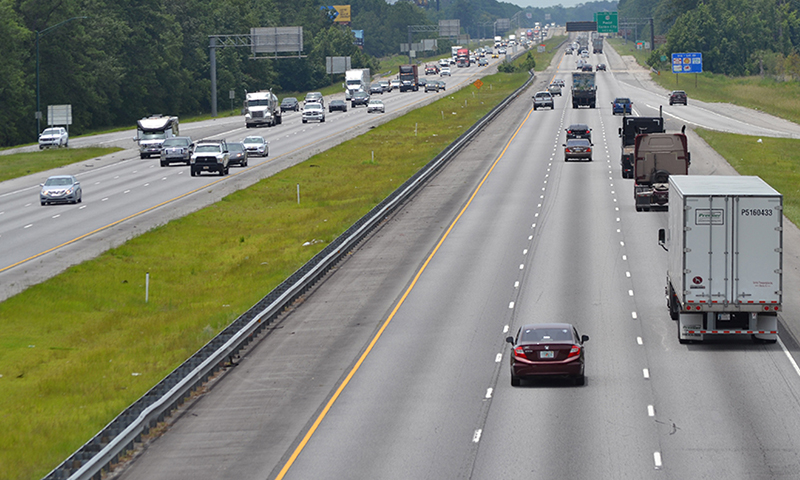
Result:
118,437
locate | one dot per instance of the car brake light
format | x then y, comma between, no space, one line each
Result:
589,149
519,352
574,351
567,150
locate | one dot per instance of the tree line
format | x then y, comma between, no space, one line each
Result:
737,38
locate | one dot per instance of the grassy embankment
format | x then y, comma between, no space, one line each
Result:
77,349
775,160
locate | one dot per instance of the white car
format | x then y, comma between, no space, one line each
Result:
444,71
256,145
375,106
54,137
313,111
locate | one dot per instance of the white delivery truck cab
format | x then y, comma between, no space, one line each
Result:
725,244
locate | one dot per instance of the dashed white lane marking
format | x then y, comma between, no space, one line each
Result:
630,293
505,329
28,226
56,216
633,314
646,372
476,437
651,411
639,340
657,459
525,251
516,284
82,207
498,358
624,257
488,393
628,274
510,304
521,266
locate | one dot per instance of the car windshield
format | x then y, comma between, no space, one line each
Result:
263,102
313,96
313,106
545,335
375,102
253,140
622,100
208,149
235,147
51,131
289,100
58,181
152,136
543,95
176,142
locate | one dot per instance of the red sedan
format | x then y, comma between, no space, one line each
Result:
547,349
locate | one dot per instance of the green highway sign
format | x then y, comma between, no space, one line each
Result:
607,22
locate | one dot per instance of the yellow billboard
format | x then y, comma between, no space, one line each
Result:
344,13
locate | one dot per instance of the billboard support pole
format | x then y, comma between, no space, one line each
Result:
212,54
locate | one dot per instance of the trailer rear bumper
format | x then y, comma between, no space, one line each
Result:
694,327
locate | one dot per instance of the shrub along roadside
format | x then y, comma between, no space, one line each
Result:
79,348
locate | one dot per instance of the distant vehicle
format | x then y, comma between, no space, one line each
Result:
554,89
568,51
601,66
376,88
678,96
580,63
442,85
359,98
579,130
547,350
584,54
621,105
444,71
385,85
543,99
375,106
656,157
262,108
578,148
422,82
409,78
443,62
584,90
431,87
587,67
237,154
337,105
356,80
431,70
495,54
290,103
152,131
315,111
210,156
631,127
502,51
395,84
560,82
597,45
314,97
176,149
482,62
256,145
61,189
54,137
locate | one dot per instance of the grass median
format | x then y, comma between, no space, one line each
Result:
79,348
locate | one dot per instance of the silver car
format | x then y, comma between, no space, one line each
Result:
375,106
61,189
176,149
256,146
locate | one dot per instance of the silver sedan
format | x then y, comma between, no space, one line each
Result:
256,146
61,189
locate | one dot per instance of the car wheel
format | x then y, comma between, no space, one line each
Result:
304,120
515,382
323,120
164,164
193,172
44,203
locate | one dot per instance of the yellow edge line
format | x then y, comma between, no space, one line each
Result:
361,359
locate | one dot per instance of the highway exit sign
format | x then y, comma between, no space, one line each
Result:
607,22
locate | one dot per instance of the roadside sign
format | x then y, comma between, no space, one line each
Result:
478,84
607,22
687,62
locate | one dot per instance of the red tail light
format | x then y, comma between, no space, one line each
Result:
589,149
567,150
519,352
574,351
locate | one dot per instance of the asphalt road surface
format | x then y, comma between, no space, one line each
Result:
395,367
124,196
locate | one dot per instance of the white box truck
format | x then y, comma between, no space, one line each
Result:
356,80
725,244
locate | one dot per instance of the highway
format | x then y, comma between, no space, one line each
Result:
395,367
124,195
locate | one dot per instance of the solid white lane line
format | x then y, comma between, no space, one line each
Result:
789,356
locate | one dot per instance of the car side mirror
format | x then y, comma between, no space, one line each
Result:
662,239
563,144
510,340
584,338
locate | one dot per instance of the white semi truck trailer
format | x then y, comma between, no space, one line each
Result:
725,244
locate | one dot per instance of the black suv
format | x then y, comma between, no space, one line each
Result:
677,96
579,130
359,98
290,103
